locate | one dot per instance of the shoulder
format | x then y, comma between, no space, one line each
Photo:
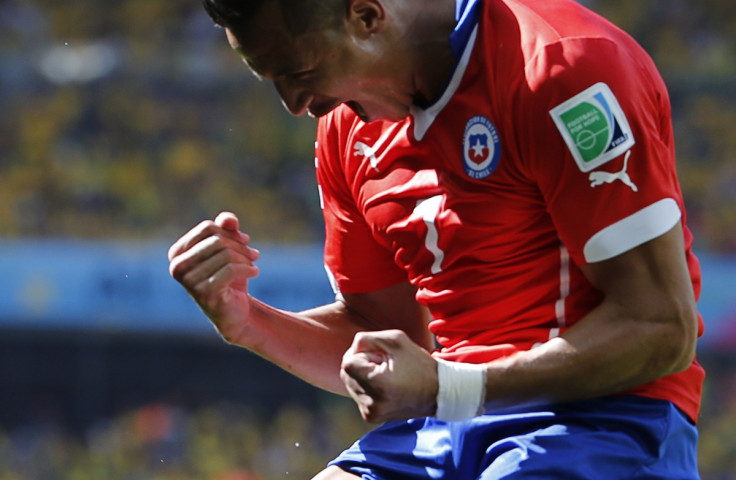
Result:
333,132
560,49
341,118
555,35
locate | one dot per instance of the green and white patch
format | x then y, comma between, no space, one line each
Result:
594,127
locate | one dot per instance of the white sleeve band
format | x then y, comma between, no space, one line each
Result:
461,390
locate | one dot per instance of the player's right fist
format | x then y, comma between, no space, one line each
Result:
213,262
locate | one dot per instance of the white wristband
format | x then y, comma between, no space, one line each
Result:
462,388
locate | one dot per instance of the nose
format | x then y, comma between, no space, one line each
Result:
296,100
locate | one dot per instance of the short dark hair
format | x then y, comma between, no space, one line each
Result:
299,15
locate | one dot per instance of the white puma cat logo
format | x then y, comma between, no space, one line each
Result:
364,150
599,178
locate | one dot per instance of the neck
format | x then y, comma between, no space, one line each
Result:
428,38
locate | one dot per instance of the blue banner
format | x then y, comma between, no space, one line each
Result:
126,286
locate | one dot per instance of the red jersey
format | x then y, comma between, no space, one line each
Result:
551,148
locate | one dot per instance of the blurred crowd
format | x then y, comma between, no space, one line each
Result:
230,441
161,441
134,119
717,423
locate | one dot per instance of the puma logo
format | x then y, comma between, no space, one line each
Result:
364,150
599,178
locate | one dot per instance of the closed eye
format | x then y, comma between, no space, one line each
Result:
300,75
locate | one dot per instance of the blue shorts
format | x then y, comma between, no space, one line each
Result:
611,438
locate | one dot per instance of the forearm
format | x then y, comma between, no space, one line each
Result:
214,262
308,344
607,352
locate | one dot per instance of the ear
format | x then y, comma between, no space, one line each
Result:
365,17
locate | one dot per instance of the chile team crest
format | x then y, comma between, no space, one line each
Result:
481,147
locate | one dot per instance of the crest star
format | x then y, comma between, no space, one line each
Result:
477,149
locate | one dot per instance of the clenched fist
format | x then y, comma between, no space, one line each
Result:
389,376
214,262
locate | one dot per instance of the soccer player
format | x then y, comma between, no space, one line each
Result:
506,237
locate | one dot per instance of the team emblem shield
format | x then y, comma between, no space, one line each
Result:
481,147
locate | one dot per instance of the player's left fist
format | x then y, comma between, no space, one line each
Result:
389,376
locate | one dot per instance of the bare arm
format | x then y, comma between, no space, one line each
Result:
214,262
644,329
311,344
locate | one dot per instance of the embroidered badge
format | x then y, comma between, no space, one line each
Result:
481,147
594,127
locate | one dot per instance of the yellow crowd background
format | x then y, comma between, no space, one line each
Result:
131,119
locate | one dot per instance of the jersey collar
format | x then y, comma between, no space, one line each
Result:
462,40
466,16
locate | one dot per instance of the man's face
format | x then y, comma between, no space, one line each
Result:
316,71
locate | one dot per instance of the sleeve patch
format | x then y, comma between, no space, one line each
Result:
593,126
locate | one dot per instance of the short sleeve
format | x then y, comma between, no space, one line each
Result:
355,261
598,143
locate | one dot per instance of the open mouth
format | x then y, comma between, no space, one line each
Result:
317,110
